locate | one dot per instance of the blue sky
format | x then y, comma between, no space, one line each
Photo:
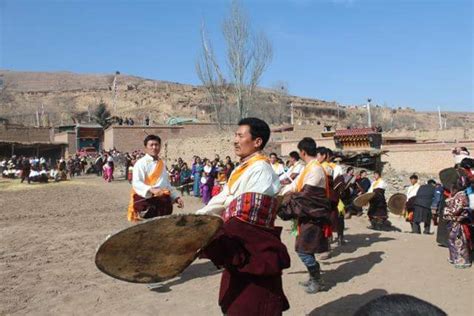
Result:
415,53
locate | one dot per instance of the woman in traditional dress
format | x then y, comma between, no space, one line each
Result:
207,182
459,218
196,172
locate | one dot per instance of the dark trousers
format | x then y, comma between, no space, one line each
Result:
417,229
340,225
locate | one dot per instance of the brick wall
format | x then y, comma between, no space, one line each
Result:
18,133
68,137
422,158
129,138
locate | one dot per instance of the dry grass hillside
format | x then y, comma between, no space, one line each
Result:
64,97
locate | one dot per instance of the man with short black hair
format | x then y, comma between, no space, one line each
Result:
296,167
152,194
306,201
248,246
411,195
378,213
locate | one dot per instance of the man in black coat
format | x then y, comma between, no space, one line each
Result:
422,207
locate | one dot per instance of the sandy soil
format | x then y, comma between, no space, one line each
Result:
49,234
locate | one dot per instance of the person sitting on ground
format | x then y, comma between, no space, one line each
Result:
54,174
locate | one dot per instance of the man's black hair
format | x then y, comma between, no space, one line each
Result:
329,152
362,171
152,137
379,172
349,169
322,151
295,155
258,129
273,154
308,145
399,304
432,182
414,176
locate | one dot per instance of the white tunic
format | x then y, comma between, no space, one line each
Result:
278,168
145,166
296,168
337,171
258,177
314,177
412,190
378,184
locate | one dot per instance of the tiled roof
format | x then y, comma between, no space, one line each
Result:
355,132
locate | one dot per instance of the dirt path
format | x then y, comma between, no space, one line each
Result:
49,234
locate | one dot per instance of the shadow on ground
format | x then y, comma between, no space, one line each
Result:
195,271
351,268
354,242
347,305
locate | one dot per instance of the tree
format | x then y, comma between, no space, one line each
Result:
101,114
248,54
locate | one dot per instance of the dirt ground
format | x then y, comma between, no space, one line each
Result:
49,235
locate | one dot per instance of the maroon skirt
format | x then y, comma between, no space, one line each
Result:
152,207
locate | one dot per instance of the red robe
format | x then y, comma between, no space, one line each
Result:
253,258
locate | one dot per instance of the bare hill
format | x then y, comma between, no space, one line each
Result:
64,97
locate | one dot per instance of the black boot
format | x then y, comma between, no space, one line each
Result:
315,284
340,240
306,283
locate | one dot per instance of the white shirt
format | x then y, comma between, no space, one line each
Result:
337,171
412,190
258,178
296,168
315,177
33,173
378,184
145,166
278,168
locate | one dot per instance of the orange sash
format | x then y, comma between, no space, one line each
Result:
311,164
237,173
149,180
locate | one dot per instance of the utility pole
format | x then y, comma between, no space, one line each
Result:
369,117
292,114
439,117
114,92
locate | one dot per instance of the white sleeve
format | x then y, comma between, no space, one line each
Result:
165,183
216,204
292,186
298,169
138,182
262,180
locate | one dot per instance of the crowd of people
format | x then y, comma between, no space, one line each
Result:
312,189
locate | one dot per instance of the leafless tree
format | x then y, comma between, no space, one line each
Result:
248,54
211,76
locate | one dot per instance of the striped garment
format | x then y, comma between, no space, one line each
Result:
254,208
